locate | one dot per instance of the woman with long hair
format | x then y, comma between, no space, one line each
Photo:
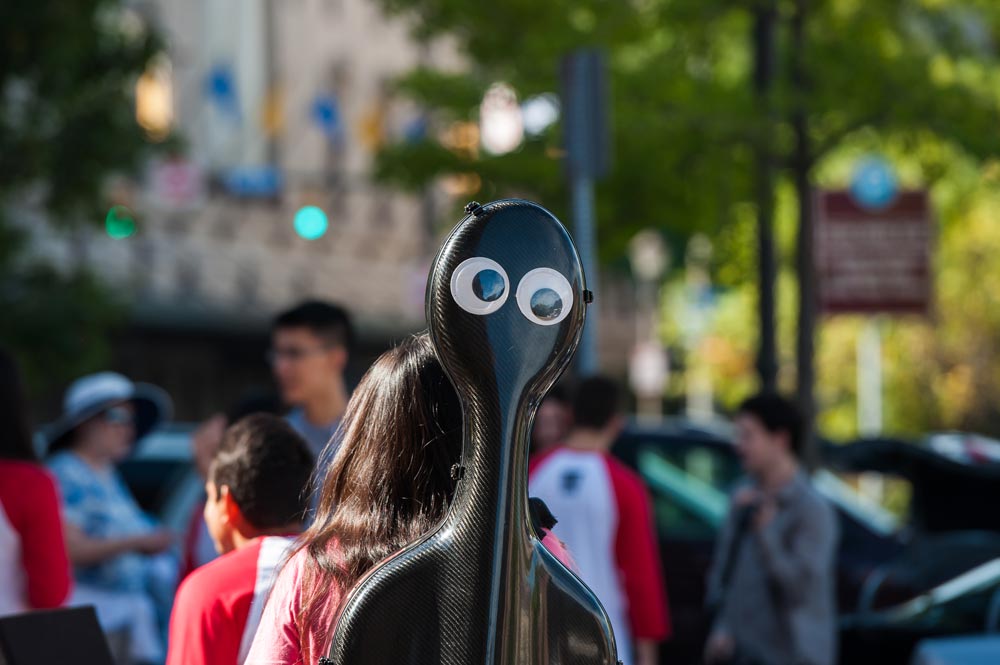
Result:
390,483
34,566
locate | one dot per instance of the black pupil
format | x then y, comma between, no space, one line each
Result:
488,285
546,304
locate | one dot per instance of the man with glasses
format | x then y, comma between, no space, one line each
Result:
310,346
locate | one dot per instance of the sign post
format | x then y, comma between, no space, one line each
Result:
871,261
873,249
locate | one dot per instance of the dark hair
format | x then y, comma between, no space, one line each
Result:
776,414
390,481
255,400
330,322
267,467
558,393
596,402
16,441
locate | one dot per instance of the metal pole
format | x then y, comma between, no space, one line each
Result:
870,379
805,261
583,215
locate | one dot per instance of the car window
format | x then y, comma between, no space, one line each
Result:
151,481
685,506
712,464
850,501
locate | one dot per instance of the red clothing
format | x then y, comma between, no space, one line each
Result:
217,607
605,519
278,641
34,565
197,548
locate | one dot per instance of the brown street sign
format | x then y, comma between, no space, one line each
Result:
873,260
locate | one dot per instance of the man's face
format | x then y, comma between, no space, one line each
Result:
757,447
304,363
216,519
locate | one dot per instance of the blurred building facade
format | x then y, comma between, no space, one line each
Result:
275,106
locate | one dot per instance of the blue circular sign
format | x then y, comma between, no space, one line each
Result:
874,184
310,222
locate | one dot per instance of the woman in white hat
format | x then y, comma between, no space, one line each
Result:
121,558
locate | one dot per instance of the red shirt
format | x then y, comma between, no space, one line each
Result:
218,606
279,640
605,518
33,560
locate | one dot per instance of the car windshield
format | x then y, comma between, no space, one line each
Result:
689,491
700,478
981,578
852,502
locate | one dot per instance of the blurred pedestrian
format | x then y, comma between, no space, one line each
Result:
198,548
390,484
772,581
34,565
310,346
606,521
121,556
553,420
257,490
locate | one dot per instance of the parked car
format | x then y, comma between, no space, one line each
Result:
690,471
952,553
161,475
965,650
966,605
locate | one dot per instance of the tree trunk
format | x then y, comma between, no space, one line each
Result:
763,33
802,167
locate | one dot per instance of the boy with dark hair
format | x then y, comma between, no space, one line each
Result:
772,580
605,519
257,497
310,347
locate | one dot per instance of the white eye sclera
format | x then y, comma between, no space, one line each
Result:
544,296
480,285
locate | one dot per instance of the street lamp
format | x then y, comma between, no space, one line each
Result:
501,126
648,366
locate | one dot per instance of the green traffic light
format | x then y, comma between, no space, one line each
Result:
310,222
120,222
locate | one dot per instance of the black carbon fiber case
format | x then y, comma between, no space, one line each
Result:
481,588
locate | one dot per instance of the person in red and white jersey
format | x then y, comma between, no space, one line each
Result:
604,517
34,565
256,504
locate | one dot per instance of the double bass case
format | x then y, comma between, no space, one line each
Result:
505,307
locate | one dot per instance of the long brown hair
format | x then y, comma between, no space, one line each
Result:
390,481
16,443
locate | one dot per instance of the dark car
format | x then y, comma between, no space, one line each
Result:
690,471
161,476
952,555
966,605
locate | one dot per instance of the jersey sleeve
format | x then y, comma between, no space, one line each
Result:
538,459
45,560
638,556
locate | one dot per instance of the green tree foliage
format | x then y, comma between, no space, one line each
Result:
67,122
916,80
678,108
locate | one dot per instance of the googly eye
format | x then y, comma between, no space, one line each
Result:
544,296
480,285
